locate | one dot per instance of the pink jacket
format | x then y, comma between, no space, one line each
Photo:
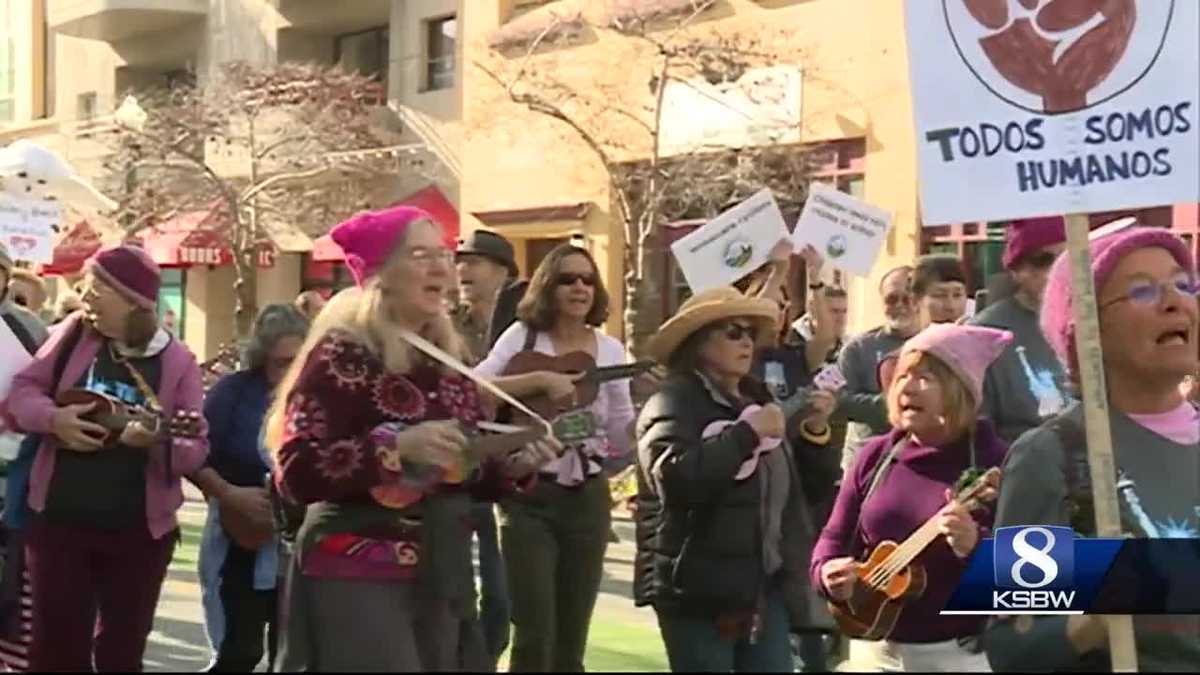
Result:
181,388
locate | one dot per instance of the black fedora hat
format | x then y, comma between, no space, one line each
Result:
489,245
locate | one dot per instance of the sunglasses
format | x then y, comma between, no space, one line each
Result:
1150,294
570,279
739,331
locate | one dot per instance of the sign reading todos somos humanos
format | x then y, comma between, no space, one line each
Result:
731,245
1037,107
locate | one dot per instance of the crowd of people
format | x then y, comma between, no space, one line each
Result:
357,459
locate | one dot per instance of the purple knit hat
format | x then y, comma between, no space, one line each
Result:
130,271
369,238
1026,236
966,350
1058,318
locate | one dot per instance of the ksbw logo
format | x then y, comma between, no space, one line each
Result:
1034,569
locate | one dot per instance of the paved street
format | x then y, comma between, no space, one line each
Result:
178,643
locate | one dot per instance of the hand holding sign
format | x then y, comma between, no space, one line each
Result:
733,244
847,231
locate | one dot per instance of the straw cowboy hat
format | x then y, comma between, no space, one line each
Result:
716,304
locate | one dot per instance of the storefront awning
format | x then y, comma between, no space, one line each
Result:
73,250
431,200
196,238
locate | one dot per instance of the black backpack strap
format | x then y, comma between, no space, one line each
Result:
19,331
877,475
531,336
64,354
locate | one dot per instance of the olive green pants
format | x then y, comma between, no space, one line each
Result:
553,540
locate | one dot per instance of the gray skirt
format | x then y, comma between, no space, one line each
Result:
338,625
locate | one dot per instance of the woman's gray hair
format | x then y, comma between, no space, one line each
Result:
274,323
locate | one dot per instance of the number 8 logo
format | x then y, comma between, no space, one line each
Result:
1028,555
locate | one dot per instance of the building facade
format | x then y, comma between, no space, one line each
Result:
75,60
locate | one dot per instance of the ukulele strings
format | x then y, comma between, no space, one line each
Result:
904,554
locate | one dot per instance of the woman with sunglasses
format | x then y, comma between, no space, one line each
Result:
1148,299
554,536
722,526
237,551
1026,386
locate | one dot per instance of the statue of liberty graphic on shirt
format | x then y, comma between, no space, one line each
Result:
1043,387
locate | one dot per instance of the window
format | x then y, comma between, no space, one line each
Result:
172,308
85,105
440,51
364,52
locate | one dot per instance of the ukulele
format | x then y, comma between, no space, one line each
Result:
484,440
888,578
573,363
796,404
114,415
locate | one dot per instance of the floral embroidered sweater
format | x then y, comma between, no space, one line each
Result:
327,457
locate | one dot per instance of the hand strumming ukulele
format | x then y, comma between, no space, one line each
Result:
888,578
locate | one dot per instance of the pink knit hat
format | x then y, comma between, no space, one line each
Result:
369,238
1058,317
1026,236
966,350
130,271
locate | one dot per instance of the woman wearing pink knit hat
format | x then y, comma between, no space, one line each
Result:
370,435
104,490
902,479
1146,292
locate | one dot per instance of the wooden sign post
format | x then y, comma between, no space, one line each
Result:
1099,433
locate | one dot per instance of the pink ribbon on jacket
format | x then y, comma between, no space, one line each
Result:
765,445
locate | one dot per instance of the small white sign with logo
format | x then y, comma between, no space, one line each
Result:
27,228
847,231
731,245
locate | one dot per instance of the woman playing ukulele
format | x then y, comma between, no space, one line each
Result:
554,537
937,435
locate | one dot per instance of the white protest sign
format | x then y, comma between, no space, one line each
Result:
26,228
731,245
1048,107
847,231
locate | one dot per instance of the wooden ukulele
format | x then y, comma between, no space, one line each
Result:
485,440
573,363
888,578
114,415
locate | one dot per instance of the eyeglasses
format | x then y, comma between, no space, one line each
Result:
738,331
892,299
1150,294
570,278
424,255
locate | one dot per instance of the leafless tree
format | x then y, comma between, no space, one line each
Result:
254,148
650,184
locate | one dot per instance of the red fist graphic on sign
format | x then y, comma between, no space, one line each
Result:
1056,49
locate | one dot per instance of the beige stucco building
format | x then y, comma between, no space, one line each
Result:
76,60
532,178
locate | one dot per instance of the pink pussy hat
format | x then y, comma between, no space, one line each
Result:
1058,302
966,350
369,238
1027,236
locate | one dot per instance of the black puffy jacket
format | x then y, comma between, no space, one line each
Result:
699,532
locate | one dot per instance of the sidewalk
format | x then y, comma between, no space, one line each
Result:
624,637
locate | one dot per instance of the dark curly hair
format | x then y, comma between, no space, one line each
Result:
538,309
